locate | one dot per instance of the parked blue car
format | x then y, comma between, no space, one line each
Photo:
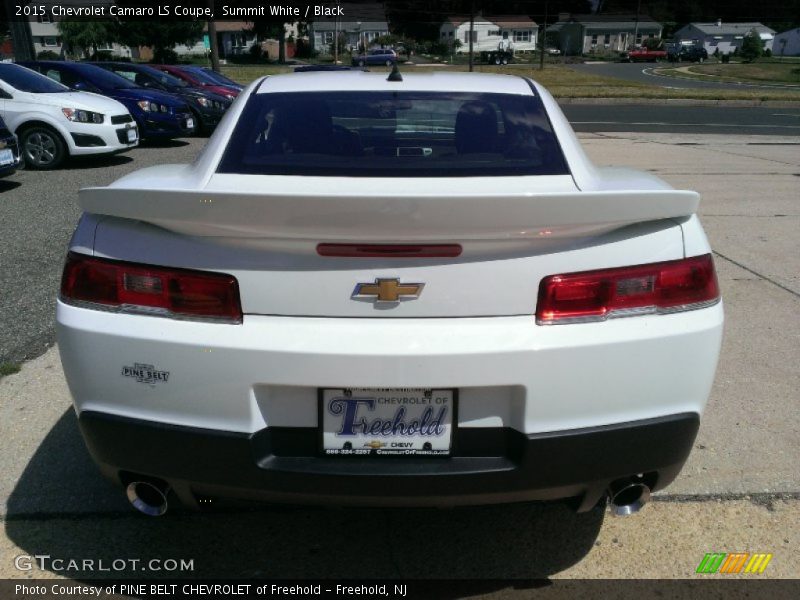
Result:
208,108
159,115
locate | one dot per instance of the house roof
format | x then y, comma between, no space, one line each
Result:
502,21
731,28
608,23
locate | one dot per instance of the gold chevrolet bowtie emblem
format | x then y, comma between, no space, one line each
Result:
388,290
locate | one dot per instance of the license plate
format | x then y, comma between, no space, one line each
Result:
377,421
131,135
6,157
189,123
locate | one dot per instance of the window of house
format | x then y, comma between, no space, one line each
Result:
607,39
638,39
327,37
105,47
474,36
44,19
522,36
451,34
50,41
494,32
594,39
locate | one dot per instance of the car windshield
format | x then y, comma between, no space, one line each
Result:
141,74
106,80
393,134
217,77
26,80
202,76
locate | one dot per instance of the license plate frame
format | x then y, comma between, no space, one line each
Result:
358,448
189,123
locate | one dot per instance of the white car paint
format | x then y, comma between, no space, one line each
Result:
25,108
473,328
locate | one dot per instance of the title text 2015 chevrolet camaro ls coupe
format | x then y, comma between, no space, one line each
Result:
414,290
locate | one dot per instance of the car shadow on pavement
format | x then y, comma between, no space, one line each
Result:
8,185
97,162
173,143
63,508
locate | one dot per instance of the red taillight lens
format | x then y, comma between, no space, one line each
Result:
664,287
143,289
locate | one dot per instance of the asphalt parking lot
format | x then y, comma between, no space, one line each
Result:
739,492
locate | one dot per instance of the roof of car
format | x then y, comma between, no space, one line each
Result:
377,81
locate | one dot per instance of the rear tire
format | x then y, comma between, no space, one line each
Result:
497,60
43,148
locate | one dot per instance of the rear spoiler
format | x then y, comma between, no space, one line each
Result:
327,217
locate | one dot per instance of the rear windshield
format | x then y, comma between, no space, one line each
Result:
393,134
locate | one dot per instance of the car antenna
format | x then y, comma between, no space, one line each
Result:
395,74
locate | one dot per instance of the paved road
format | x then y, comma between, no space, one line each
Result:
684,119
740,490
643,73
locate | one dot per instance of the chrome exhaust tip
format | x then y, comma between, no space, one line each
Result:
628,496
148,498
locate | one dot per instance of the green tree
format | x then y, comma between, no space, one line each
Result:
752,46
85,36
161,36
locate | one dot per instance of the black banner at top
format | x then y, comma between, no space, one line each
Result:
244,10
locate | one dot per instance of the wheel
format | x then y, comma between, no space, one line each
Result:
497,60
43,148
504,60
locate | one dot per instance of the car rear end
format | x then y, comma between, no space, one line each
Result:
380,293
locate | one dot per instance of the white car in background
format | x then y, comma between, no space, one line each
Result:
409,291
53,122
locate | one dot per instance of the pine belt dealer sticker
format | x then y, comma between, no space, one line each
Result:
145,374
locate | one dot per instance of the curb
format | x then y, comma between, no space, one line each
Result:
682,102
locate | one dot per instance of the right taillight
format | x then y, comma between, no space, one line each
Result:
143,289
664,287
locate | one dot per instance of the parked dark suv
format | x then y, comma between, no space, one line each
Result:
688,54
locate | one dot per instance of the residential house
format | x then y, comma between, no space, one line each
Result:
600,34
722,37
787,43
518,33
368,23
46,37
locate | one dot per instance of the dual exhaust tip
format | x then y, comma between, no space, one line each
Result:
628,496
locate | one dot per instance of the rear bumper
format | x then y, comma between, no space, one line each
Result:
489,466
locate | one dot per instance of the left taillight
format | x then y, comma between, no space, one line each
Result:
143,289
665,287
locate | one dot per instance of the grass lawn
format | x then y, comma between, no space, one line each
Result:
757,72
560,80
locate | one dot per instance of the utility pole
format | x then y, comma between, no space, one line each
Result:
212,39
21,35
471,34
544,37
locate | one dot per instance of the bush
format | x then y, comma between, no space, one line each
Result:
726,58
304,50
48,55
165,56
255,51
768,53
752,46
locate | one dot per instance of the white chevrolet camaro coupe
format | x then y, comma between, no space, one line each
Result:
404,291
